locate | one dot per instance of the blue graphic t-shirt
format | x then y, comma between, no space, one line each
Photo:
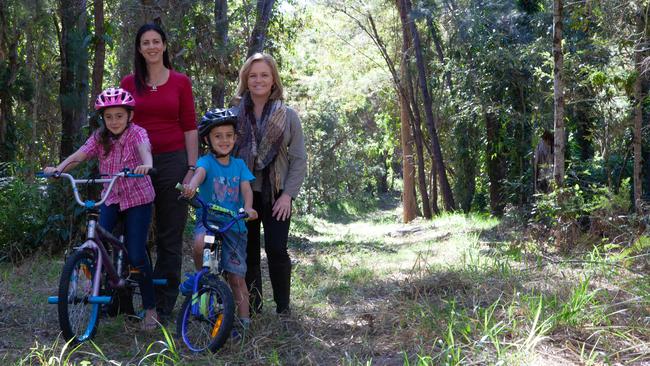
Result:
221,185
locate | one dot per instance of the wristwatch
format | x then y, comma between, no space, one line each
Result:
192,168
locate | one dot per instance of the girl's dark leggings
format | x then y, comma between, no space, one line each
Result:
136,225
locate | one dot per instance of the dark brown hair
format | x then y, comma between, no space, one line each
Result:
139,63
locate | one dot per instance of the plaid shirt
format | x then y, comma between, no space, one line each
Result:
127,192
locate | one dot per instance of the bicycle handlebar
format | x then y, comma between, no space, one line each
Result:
111,181
198,203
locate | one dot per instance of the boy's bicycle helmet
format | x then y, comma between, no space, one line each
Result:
114,97
217,117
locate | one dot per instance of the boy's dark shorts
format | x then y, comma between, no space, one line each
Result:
233,250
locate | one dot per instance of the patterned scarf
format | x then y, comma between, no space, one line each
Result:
258,145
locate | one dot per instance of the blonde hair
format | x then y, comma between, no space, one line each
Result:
277,91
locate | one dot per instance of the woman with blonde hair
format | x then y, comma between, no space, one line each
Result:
271,142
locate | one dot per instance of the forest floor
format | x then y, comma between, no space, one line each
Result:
369,290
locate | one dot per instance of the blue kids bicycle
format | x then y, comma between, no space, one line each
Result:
91,277
206,317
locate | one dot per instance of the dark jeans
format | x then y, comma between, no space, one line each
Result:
171,215
136,228
276,234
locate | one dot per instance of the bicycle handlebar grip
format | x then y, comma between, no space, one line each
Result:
192,201
47,175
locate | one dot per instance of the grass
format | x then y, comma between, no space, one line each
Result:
369,290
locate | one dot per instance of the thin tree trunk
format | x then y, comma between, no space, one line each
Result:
447,195
408,173
407,89
100,57
218,89
9,56
558,95
439,52
495,163
258,35
73,86
638,112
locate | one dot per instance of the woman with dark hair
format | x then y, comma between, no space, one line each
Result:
165,108
272,144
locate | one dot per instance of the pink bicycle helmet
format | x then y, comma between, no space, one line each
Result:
114,97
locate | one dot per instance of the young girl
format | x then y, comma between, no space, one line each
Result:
120,144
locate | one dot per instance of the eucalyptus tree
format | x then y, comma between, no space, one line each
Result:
258,35
73,86
406,18
559,144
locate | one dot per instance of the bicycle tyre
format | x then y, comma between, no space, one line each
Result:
212,331
78,319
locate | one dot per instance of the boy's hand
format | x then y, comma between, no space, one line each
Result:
142,169
188,191
252,214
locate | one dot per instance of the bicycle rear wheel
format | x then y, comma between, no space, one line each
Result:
207,326
77,317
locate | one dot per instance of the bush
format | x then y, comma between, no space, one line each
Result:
23,218
599,211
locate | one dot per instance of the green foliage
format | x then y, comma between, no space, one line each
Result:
577,202
23,218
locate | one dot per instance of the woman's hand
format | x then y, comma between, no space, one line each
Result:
142,169
282,207
188,190
188,177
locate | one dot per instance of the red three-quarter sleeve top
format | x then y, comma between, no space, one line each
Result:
166,113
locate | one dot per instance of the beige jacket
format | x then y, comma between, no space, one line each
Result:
291,161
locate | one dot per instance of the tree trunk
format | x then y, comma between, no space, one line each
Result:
495,163
218,89
447,195
558,95
73,87
151,11
433,29
9,61
408,194
407,90
100,57
638,111
258,36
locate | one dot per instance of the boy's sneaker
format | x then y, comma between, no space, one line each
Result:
240,329
187,287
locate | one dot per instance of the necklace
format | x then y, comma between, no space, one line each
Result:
154,84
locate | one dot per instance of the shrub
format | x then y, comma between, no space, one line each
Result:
23,217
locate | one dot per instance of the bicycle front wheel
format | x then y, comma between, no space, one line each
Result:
208,323
77,317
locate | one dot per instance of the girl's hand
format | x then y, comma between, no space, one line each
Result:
49,170
142,169
282,207
188,191
252,214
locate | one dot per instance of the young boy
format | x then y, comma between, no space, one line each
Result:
225,181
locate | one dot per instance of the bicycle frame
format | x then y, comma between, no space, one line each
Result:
95,233
210,240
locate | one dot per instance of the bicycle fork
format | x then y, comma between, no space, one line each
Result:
94,298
